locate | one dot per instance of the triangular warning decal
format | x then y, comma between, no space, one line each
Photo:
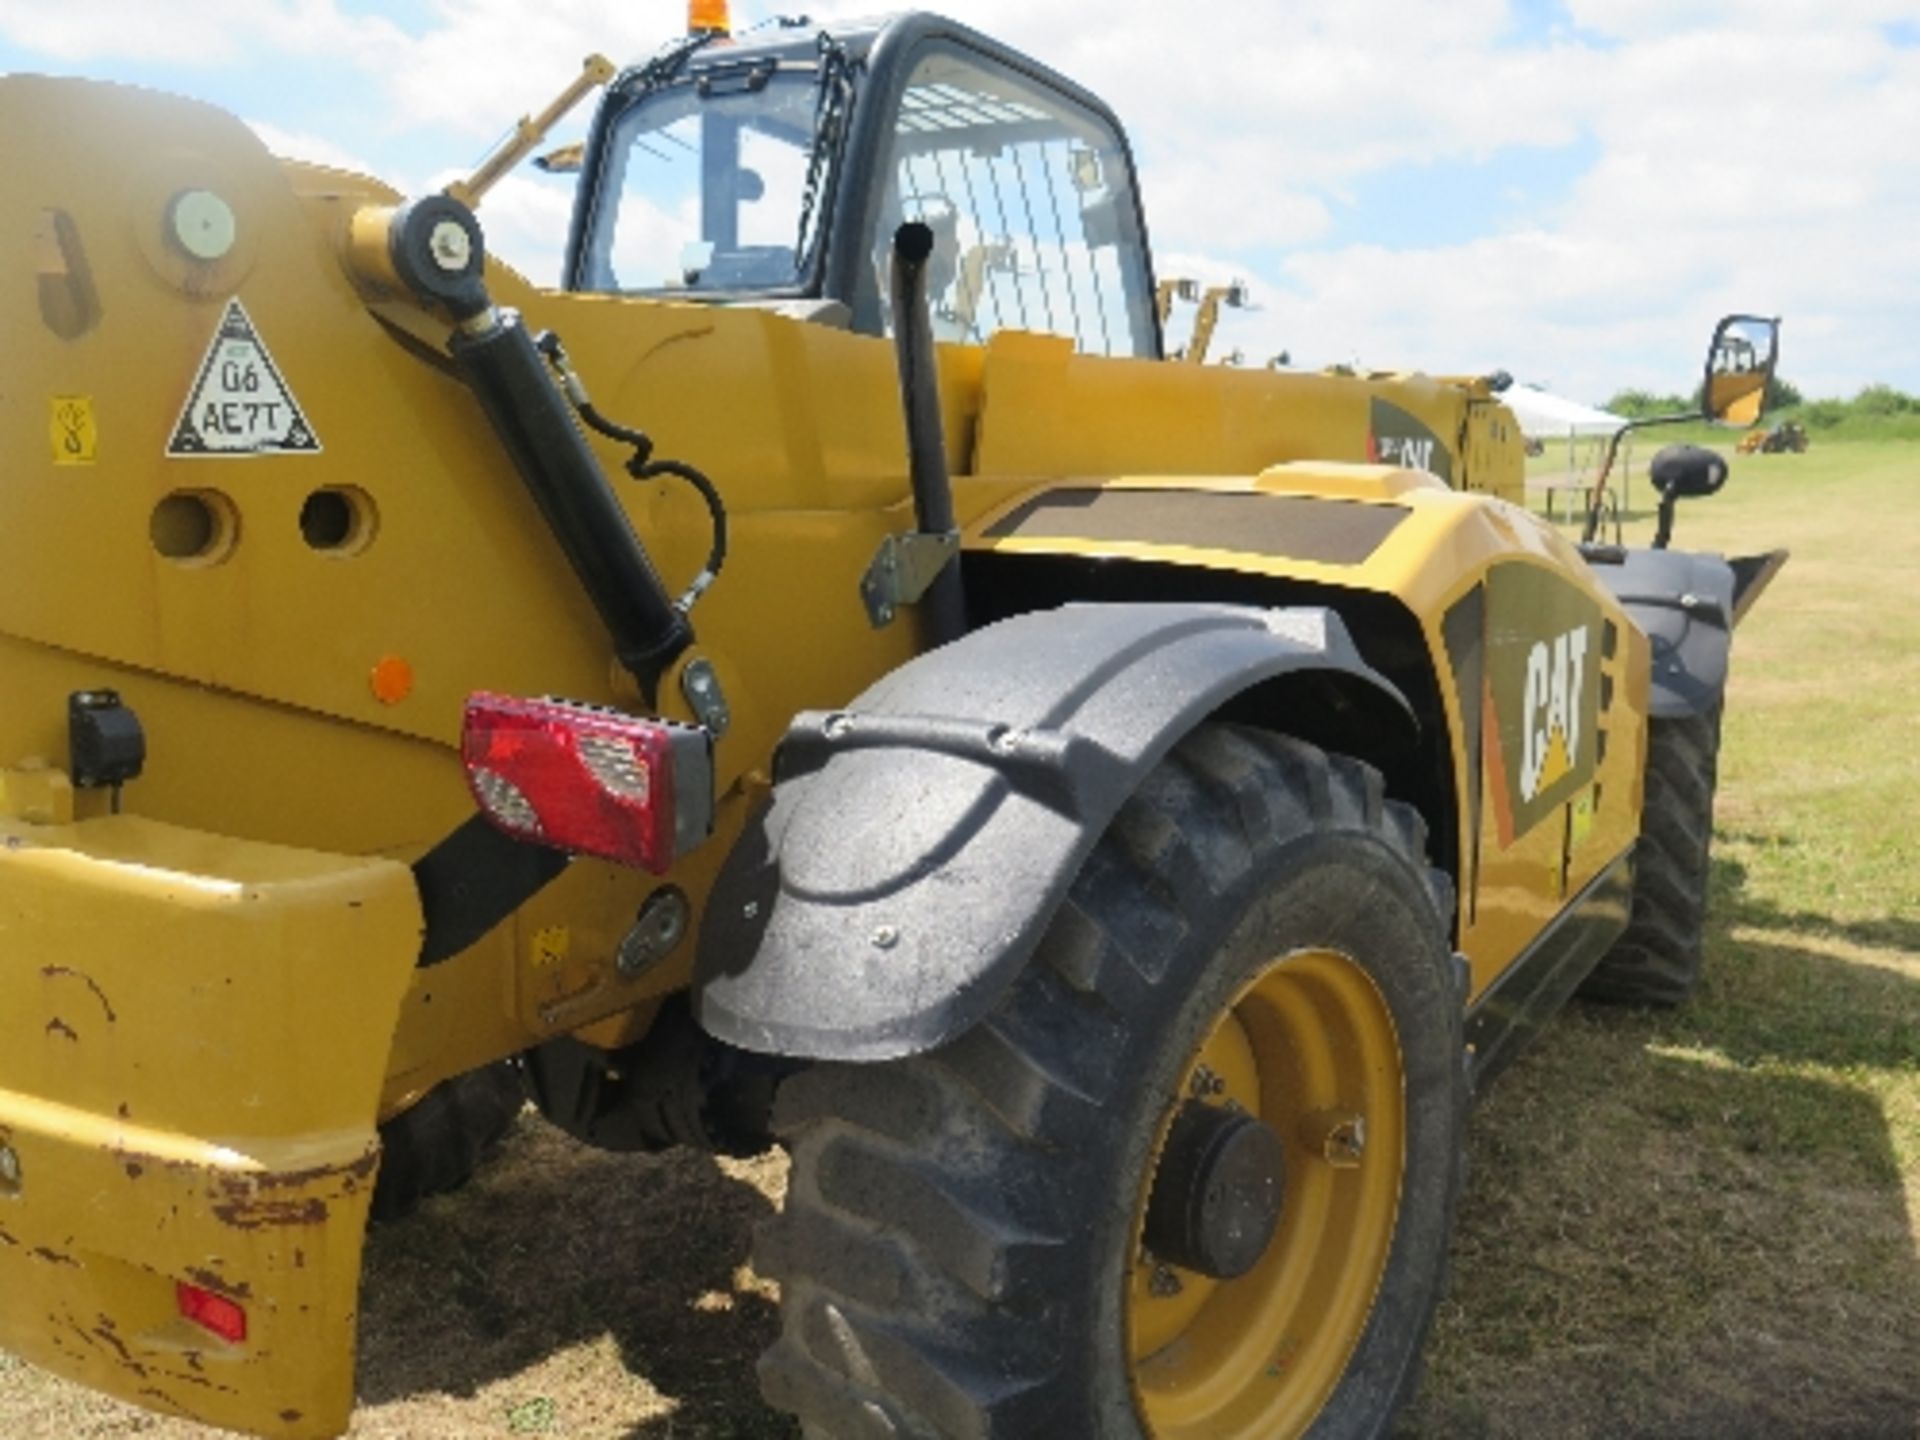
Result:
1554,768
239,405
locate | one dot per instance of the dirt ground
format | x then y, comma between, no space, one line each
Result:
575,1294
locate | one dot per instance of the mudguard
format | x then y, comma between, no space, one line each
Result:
1684,601
919,841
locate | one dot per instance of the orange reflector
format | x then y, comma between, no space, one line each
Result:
392,680
211,1312
708,17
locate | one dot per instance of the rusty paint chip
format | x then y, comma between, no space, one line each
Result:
259,1214
106,1331
233,1290
55,972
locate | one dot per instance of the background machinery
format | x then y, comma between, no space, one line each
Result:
1782,439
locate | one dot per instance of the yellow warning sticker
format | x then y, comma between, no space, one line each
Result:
551,946
75,436
1583,806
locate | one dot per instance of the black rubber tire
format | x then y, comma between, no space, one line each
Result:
957,1233
1657,961
438,1143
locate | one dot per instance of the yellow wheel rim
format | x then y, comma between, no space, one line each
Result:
1310,1049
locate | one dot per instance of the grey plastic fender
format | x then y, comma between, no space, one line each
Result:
919,841
1684,602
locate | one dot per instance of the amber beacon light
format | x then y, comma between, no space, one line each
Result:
708,17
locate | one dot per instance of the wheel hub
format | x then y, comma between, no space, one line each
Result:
1217,1195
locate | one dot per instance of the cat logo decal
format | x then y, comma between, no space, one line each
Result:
1550,710
1540,745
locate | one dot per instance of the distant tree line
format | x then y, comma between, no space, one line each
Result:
1878,409
1639,404
1874,406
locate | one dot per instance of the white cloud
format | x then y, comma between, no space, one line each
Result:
315,149
218,32
1726,179
488,62
1642,19
1753,156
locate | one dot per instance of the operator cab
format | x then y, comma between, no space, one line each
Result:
773,168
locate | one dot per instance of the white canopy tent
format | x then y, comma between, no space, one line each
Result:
1544,416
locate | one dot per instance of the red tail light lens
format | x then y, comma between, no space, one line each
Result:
593,781
212,1312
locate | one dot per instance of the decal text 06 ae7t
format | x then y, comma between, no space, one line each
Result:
240,404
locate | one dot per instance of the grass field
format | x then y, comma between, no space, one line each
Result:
1699,1224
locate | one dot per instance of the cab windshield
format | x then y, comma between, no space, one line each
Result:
707,180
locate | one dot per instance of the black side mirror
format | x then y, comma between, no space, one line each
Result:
1739,369
1686,471
1683,472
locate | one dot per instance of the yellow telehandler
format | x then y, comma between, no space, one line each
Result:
821,676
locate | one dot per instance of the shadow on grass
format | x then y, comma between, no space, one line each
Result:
1694,1223
1768,993
1683,1251
556,1247
1733,905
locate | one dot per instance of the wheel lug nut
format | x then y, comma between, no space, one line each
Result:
1205,1083
1337,1136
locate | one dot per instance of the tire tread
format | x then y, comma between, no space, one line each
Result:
921,1228
438,1143
1657,961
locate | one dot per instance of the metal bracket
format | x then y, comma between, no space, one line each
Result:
700,683
903,570
661,925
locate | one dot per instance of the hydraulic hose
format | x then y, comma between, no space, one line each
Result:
641,465
534,425
436,251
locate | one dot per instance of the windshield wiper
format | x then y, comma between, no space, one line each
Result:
829,118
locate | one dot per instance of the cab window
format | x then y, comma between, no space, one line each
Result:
1030,199
707,184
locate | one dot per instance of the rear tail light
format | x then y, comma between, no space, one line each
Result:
593,781
209,1311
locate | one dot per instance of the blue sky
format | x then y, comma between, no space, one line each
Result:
1572,191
